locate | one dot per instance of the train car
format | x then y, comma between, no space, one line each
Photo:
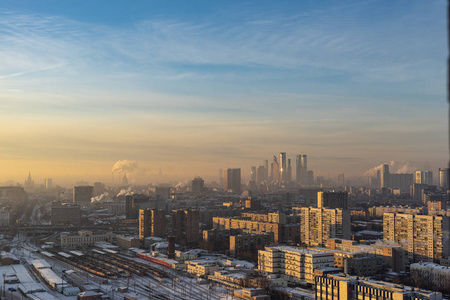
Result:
154,260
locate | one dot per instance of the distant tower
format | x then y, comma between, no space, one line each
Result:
428,176
197,185
301,170
275,170
261,175
232,180
304,169
298,169
220,177
99,188
29,183
289,171
283,167
385,176
253,174
378,178
444,178
48,183
125,180
82,195
266,167
420,177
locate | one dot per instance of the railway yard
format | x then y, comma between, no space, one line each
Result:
52,274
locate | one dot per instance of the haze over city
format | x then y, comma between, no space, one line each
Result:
188,88
222,150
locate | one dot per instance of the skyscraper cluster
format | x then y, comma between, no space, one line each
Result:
279,173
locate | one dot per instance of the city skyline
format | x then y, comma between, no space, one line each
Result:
190,89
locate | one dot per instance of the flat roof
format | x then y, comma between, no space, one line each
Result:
40,264
51,277
299,250
48,254
76,253
63,254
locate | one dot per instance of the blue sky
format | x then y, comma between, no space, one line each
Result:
193,86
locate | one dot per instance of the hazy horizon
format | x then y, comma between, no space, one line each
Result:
194,87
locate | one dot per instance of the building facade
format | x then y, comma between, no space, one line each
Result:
342,287
152,222
296,265
84,238
232,180
185,226
332,200
66,214
317,225
423,237
82,195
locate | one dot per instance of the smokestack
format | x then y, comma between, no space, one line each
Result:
171,247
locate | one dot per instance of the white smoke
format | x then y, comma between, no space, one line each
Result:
395,167
182,184
125,192
101,198
125,166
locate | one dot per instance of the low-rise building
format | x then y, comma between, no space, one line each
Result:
342,287
249,242
251,294
117,208
296,265
84,238
355,263
379,211
66,214
126,241
202,267
5,217
392,255
433,276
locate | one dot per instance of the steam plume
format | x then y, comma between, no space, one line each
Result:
125,166
395,167
100,198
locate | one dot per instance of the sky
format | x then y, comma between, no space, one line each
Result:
190,87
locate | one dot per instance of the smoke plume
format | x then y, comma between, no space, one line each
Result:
124,192
101,198
395,167
125,166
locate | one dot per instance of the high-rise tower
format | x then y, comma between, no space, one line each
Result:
283,167
444,178
301,170
275,170
82,195
289,171
298,169
232,180
253,173
385,180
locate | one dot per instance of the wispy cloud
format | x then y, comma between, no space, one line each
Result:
30,71
351,77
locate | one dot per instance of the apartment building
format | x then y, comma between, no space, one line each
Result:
152,222
424,238
84,238
391,255
317,225
66,214
249,242
296,265
342,287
